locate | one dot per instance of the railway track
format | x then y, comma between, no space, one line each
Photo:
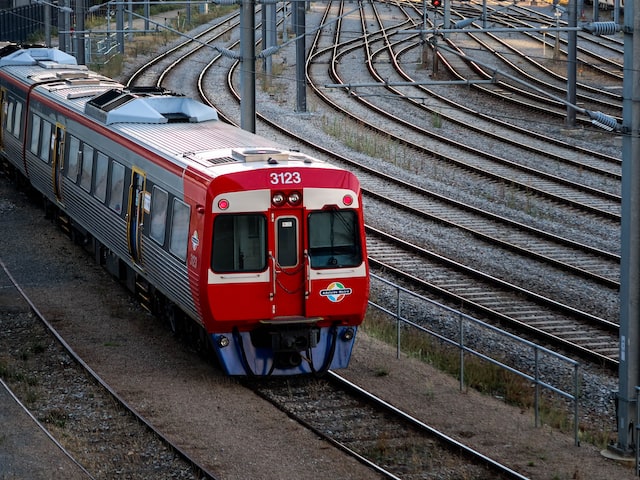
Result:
517,308
69,397
391,441
478,161
600,75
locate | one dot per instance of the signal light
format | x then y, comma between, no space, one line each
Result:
436,3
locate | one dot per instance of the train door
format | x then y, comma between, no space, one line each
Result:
57,163
3,114
290,271
135,212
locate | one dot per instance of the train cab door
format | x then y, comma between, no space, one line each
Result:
135,212
57,163
289,268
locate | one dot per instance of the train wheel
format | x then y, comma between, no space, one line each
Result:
174,321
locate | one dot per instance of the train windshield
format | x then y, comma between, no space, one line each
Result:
239,243
333,239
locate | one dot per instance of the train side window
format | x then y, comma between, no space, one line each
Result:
239,243
102,170
159,203
9,121
45,143
333,239
87,167
117,187
17,119
73,159
179,229
35,134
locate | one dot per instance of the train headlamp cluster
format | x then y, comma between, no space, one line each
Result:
293,199
347,200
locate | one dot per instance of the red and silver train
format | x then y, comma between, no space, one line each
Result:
260,250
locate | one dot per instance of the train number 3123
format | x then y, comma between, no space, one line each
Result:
285,178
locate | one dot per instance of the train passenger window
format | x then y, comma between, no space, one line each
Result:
45,143
35,134
16,120
239,243
333,239
87,167
9,114
117,187
74,158
159,202
179,229
102,169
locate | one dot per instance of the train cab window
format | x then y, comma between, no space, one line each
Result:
73,159
45,143
159,203
179,229
102,169
239,243
117,187
87,167
333,239
35,134
287,242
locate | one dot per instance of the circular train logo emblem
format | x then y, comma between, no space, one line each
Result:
335,292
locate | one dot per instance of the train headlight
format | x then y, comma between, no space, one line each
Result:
347,200
223,204
348,334
277,199
294,198
223,341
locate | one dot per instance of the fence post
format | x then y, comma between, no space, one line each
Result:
461,349
575,405
536,355
398,323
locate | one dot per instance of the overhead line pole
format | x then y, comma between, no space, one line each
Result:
247,66
301,79
628,376
572,61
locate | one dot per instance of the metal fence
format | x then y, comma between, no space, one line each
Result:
542,367
20,23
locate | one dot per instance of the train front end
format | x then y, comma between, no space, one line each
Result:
287,278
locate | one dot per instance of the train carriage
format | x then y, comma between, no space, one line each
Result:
260,248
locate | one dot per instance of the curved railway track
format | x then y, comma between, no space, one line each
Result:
475,160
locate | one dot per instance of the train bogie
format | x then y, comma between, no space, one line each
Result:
260,248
